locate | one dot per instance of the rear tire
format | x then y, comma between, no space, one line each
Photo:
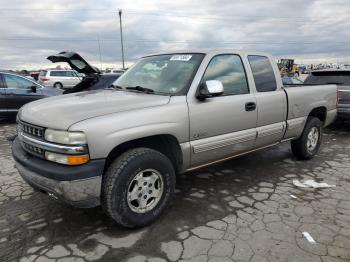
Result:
308,144
137,187
58,85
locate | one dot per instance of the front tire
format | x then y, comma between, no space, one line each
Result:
308,144
137,187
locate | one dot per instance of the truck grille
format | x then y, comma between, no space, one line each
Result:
32,130
33,149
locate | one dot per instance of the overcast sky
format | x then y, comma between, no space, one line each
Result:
311,31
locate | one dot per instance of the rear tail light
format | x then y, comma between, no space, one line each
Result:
44,79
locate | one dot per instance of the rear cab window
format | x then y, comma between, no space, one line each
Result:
263,74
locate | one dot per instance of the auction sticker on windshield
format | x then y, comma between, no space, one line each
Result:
181,57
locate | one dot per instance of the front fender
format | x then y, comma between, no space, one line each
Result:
104,133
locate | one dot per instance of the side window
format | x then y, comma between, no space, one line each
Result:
55,73
71,74
230,71
17,82
263,74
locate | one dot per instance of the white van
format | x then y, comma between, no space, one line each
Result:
59,78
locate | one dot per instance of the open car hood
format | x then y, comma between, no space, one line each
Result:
75,61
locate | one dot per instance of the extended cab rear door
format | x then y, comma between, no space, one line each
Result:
225,125
271,101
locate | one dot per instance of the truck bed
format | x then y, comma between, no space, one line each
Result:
302,99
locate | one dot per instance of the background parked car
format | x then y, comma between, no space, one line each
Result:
59,78
94,78
17,90
340,77
94,82
291,81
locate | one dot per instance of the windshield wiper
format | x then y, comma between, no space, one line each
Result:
140,88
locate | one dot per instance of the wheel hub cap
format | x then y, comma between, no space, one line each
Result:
145,191
312,139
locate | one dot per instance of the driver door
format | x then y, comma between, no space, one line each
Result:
19,92
223,126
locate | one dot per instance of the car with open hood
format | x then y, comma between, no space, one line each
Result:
93,79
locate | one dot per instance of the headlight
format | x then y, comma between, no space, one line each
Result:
72,160
65,137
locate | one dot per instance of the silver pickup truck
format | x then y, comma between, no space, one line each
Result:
122,147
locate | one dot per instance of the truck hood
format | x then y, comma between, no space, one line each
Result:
60,112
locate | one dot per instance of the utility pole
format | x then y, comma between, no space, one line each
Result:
121,36
99,51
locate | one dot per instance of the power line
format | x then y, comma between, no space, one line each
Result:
162,13
166,41
148,12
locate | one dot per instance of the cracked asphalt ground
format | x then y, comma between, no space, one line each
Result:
245,209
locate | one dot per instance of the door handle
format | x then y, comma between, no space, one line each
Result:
250,106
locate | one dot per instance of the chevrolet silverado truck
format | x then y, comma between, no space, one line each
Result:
121,147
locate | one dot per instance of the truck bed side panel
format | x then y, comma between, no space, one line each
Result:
302,100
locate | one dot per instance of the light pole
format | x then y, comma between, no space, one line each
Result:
121,36
99,51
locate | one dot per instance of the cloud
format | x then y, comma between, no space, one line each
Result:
307,30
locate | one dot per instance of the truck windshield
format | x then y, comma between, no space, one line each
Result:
163,74
330,77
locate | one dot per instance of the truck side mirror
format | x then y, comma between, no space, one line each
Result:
210,88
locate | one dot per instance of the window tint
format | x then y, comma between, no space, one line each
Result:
43,73
230,71
55,73
17,82
263,74
62,73
70,74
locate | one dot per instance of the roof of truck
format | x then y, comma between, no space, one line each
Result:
211,52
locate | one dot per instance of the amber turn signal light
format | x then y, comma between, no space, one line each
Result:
77,160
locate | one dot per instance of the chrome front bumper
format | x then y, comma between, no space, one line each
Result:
82,193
